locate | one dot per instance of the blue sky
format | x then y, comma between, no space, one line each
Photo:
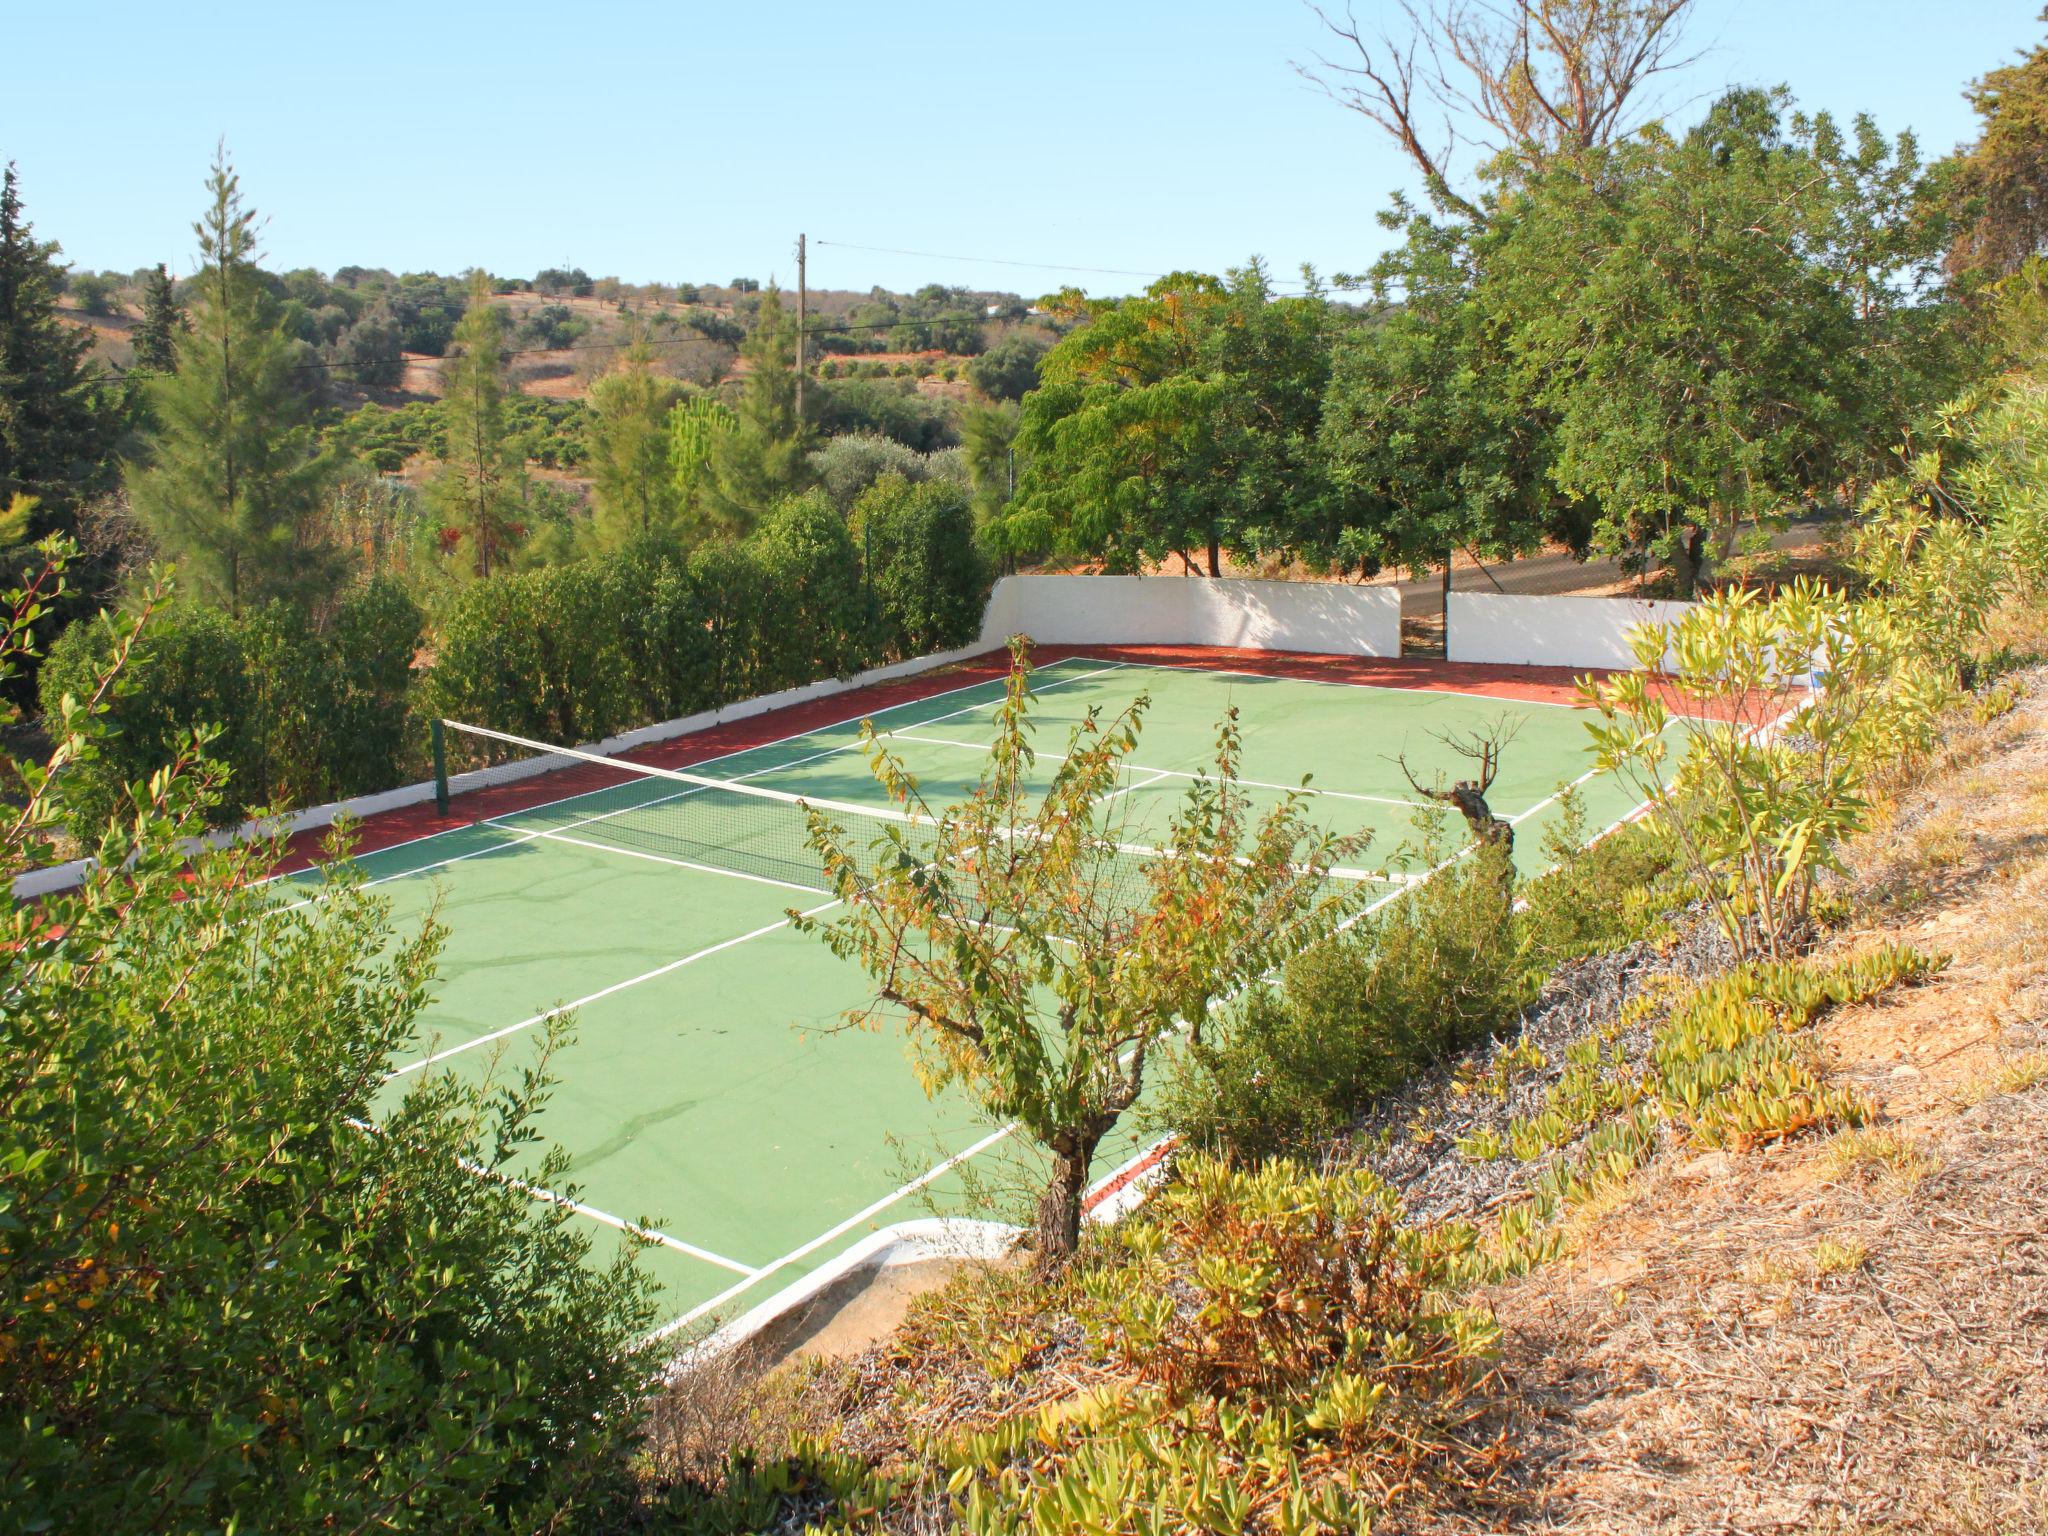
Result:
691,141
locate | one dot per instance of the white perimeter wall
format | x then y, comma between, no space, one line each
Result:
1510,629
1324,617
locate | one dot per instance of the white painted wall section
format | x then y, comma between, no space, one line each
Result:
1327,618
1511,629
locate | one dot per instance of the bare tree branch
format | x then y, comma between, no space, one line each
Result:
1531,79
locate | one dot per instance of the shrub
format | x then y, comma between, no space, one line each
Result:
95,293
929,580
887,409
1285,1067
1282,1344
228,1303
301,716
1009,369
824,621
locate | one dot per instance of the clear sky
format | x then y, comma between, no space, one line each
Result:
689,141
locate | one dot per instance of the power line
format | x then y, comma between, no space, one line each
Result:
1004,261
991,261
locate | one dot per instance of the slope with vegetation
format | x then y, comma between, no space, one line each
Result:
1699,1176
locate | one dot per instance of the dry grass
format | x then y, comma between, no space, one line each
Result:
1847,1335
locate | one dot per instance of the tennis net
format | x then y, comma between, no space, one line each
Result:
730,827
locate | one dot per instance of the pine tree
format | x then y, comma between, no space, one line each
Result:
232,486
163,321
477,489
55,436
629,451
762,459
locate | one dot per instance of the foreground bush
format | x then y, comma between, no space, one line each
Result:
227,1303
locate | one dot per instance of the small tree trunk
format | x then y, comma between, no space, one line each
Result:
1215,555
1686,568
1486,827
1059,1208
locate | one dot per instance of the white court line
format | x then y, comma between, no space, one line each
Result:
823,1238
1179,773
662,858
649,1234
541,1192
603,992
421,869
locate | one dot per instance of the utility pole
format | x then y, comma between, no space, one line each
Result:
803,304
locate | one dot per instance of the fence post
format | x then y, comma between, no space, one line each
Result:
440,768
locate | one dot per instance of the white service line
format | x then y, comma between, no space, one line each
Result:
823,1238
648,1234
1180,773
663,858
603,992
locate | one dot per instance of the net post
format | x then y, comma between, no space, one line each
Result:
440,767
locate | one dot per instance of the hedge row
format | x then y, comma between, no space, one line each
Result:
303,717
569,652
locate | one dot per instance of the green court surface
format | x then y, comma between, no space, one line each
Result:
711,1097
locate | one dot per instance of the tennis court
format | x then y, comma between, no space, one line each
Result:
710,1100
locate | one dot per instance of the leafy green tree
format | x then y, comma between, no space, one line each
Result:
163,321
1708,320
846,466
95,293
231,484
54,439
372,350
762,459
928,578
823,623
1428,448
231,1297
628,457
2001,181
477,489
1034,970
1183,418
1009,369
694,427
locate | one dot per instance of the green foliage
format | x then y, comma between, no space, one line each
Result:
1281,1344
1797,701
762,458
630,452
52,445
373,351
694,427
1182,419
1030,966
1009,369
299,716
1429,447
228,1300
1721,326
1999,185
1726,1060
477,488
1283,1068
918,421
163,318
926,574
845,467
95,293
823,624
231,485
